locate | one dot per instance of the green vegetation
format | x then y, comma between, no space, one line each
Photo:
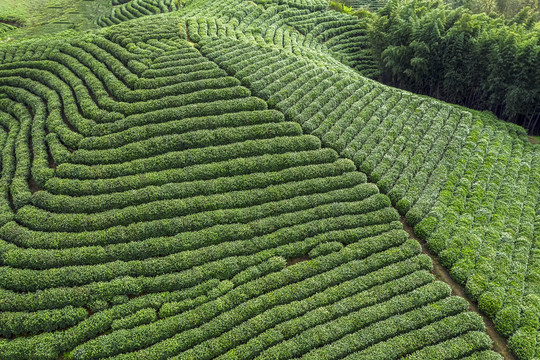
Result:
508,8
166,227
469,182
473,60
219,179
360,4
43,17
131,9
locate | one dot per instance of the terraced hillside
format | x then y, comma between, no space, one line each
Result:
210,183
48,17
124,10
302,27
169,203
468,183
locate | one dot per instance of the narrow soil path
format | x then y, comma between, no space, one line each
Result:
296,260
12,23
500,344
32,184
188,39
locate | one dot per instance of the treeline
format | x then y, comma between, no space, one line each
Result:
508,8
475,60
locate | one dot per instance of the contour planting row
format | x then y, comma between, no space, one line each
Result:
470,184
488,216
293,25
258,24
409,145
341,33
357,124
4,28
133,9
323,35
188,84
410,163
312,5
169,228
56,111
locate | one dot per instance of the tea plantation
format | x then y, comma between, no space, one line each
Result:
221,180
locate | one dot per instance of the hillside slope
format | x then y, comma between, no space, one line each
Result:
166,195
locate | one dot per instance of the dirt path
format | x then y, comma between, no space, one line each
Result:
500,344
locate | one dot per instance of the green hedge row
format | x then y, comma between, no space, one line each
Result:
51,345
349,141
354,227
224,168
190,157
222,269
306,278
40,169
212,108
81,63
95,203
66,70
435,162
16,154
178,58
30,49
139,231
31,280
376,332
8,139
184,253
146,30
59,107
84,65
114,77
284,322
475,342
142,132
468,324
133,9
315,189
274,264
141,317
281,323
29,323
195,65
177,142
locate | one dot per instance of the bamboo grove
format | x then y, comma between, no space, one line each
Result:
475,60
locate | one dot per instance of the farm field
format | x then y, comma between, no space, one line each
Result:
19,19
222,180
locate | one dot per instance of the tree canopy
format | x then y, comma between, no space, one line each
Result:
476,60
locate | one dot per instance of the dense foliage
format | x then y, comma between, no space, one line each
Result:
186,186
469,59
124,10
508,8
155,208
467,181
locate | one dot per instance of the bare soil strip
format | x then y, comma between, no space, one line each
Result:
500,344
